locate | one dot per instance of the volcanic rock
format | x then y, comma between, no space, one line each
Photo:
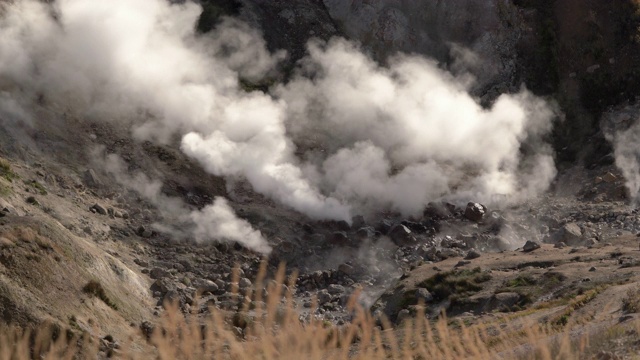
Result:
99,209
530,246
475,211
91,179
472,254
570,234
158,273
401,235
609,178
424,295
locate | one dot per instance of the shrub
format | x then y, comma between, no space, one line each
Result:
6,171
631,302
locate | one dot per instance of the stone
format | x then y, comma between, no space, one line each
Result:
424,295
99,209
205,286
324,297
161,286
506,300
244,283
147,328
609,178
591,69
448,253
141,263
403,315
560,245
530,246
438,210
472,254
158,273
335,289
401,235
366,232
144,232
475,211
91,179
570,234
171,297
346,269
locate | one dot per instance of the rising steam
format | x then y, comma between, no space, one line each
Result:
621,127
344,136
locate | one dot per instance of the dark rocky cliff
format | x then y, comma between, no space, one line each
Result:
583,54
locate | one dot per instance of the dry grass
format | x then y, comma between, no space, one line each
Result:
271,329
631,302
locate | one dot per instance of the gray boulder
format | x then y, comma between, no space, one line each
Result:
158,273
91,179
401,235
472,254
530,246
570,234
475,211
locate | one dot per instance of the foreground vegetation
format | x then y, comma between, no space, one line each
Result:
271,328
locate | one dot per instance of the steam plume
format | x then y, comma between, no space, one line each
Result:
216,221
344,135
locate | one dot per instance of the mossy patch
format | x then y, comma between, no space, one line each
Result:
6,172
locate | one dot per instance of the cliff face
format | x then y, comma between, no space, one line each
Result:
583,54
479,36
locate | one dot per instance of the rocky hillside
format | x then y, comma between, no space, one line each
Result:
102,218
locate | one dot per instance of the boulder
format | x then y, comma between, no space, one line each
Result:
346,269
357,222
570,234
475,211
401,235
366,232
472,254
609,178
99,209
530,246
506,301
335,289
205,286
158,273
91,179
424,295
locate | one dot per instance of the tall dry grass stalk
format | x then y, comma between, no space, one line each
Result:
272,329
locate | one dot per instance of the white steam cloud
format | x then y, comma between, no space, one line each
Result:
344,136
622,129
404,135
213,222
